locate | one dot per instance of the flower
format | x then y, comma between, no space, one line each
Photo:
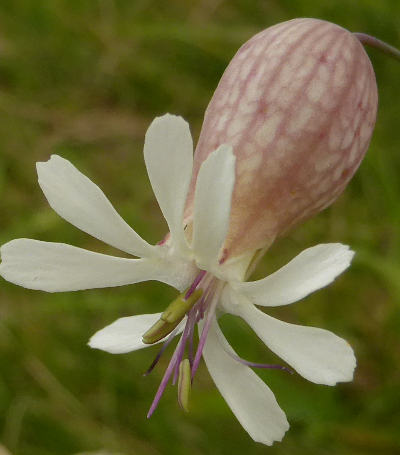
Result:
193,262
298,104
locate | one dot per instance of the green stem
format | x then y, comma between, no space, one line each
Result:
378,44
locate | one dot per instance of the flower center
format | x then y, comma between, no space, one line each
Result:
197,303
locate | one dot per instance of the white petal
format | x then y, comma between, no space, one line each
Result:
55,267
318,355
168,153
81,202
247,395
312,269
212,205
125,334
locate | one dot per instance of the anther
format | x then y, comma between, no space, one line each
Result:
158,331
177,309
171,317
184,384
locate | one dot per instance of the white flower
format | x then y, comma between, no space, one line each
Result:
192,262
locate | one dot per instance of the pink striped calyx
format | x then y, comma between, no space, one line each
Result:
298,104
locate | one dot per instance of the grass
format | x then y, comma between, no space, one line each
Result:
83,79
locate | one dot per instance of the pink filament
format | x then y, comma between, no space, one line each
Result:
164,382
182,346
203,337
166,343
195,283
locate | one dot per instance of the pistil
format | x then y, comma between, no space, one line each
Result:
268,366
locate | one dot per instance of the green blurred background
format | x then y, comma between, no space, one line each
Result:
83,79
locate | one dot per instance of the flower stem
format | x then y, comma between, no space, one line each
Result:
387,49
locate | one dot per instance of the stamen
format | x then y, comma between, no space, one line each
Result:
206,327
195,283
180,306
164,382
184,384
204,300
195,302
171,317
158,331
181,350
192,319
